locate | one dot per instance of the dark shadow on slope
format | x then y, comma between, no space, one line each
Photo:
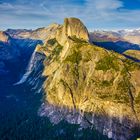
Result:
19,119
100,123
119,47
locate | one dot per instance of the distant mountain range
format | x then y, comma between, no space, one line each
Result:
132,36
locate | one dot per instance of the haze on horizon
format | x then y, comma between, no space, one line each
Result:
96,14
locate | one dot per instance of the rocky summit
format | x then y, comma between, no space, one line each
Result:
86,84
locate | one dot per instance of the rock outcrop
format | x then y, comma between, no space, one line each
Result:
74,27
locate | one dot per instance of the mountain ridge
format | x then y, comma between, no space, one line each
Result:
87,78
131,36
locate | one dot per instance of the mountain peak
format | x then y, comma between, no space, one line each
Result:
75,27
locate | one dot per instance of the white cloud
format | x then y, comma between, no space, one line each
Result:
95,13
106,4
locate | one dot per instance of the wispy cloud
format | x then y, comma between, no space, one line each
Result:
94,13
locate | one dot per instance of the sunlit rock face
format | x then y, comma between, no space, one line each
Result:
86,84
74,27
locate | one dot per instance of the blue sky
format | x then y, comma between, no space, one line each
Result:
96,14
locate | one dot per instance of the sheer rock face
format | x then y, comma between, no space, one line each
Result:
92,80
74,27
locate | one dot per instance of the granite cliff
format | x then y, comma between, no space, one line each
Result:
86,84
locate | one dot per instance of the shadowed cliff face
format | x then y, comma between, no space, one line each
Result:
86,80
17,48
14,56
